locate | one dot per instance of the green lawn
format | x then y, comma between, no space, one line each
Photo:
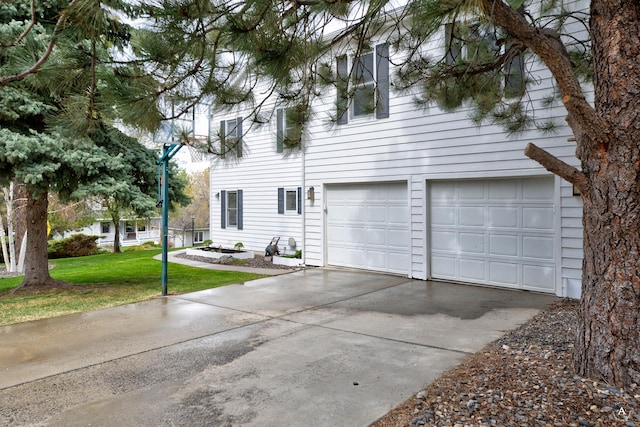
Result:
104,281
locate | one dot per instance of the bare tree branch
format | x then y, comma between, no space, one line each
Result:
557,166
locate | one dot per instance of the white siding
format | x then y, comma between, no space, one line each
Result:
412,145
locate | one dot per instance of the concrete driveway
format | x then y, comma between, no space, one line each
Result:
312,348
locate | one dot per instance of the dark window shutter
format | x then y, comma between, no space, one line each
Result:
223,138
280,200
223,209
299,200
382,102
280,131
240,207
342,87
239,133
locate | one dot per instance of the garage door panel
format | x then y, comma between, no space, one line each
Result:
443,191
374,227
444,241
503,245
503,273
503,216
472,243
472,192
398,238
503,190
538,277
471,216
538,247
443,216
538,189
376,237
498,232
537,218
472,269
443,267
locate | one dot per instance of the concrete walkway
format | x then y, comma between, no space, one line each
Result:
312,348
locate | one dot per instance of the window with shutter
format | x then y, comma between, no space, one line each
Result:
368,85
231,137
231,209
289,129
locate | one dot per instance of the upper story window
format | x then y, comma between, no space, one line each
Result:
289,132
476,43
363,91
231,137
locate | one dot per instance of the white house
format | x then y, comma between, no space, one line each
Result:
416,192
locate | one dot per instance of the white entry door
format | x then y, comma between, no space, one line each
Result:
368,226
495,232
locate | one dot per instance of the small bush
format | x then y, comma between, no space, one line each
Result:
74,246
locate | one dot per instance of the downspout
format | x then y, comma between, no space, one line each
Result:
304,207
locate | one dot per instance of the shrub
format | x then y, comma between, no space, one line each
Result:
74,246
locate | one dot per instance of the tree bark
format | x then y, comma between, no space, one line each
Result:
607,134
608,338
36,261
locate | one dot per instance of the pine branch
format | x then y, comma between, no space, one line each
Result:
45,56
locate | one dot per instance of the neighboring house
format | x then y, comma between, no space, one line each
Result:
132,231
185,237
416,192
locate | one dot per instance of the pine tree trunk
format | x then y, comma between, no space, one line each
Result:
608,336
36,261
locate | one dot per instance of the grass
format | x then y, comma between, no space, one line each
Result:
106,280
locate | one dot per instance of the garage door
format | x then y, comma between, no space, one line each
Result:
495,232
368,227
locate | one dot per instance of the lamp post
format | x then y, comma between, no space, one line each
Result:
193,229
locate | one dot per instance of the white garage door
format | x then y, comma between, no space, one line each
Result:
368,227
495,232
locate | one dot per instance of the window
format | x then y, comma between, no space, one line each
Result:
231,137
514,82
289,200
289,132
231,209
142,226
129,227
368,85
198,237
470,42
106,227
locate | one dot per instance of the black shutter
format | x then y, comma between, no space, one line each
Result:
280,200
223,138
280,131
240,206
299,200
342,103
382,84
223,209
239,133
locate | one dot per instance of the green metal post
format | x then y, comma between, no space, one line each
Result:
165,217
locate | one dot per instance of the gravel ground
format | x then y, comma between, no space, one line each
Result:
526,378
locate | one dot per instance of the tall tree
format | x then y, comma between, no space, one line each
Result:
54,59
